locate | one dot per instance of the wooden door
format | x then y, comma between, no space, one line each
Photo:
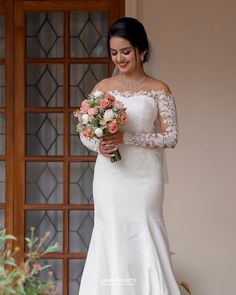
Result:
59,54
6,115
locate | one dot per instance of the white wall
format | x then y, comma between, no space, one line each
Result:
194,49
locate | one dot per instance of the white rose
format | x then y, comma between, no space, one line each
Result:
108,115
98,132
85,119
97,93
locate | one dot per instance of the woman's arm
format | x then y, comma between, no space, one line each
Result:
90,143
168,135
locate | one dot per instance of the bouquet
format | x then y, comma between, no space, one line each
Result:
101,115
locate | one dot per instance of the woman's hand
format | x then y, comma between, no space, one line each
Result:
108,144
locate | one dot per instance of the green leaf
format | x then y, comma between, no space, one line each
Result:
7,237
8,291
10,261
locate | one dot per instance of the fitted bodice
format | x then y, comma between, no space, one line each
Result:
141,109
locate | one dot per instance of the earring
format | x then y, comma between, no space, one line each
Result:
141,58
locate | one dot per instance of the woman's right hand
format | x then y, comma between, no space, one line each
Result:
106,149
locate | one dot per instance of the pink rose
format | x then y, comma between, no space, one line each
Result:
112,127
123,117
87,132
85,106
104,103
110,97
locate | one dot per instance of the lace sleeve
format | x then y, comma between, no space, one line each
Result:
168,135
91,144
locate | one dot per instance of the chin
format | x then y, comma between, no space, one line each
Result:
125,70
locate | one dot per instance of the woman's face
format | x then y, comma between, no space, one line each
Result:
124,55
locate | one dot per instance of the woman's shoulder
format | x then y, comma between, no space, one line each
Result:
158,85
106,84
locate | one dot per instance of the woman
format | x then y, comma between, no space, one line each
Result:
129,252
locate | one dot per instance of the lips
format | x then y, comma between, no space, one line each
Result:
122,65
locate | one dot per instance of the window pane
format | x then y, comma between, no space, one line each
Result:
83,78
2,133
45,34
45,85
45,134
2,182
46,221
2,85
2,37
81,183
81,227
76,267
44,182
2,219
88,32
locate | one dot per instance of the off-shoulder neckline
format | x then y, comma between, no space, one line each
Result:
136,93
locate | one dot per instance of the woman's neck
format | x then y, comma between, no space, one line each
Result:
136,75
131,80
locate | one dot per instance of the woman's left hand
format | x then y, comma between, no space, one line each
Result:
114,139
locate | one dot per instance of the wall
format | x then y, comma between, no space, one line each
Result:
193,50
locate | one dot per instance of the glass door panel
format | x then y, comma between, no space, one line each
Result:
2,36
2,134
44,34
83,77
44,183
2,84
44,85
2,181
76,267
88,34
44,134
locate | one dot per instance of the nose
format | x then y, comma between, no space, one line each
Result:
119,57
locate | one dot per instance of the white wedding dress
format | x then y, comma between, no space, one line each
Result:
129,252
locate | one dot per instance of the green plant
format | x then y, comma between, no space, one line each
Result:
183,284
24,279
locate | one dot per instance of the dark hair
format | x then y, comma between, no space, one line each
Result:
132,30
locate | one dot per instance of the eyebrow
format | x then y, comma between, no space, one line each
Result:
122,48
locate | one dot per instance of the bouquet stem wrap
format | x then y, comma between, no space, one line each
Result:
117,157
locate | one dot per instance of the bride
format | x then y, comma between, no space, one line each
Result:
129,251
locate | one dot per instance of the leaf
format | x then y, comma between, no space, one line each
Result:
45,266
28,240
10,261
9,291
8,237
53,248
185,285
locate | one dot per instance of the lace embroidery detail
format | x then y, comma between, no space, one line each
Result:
151,93
91,143
168,137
